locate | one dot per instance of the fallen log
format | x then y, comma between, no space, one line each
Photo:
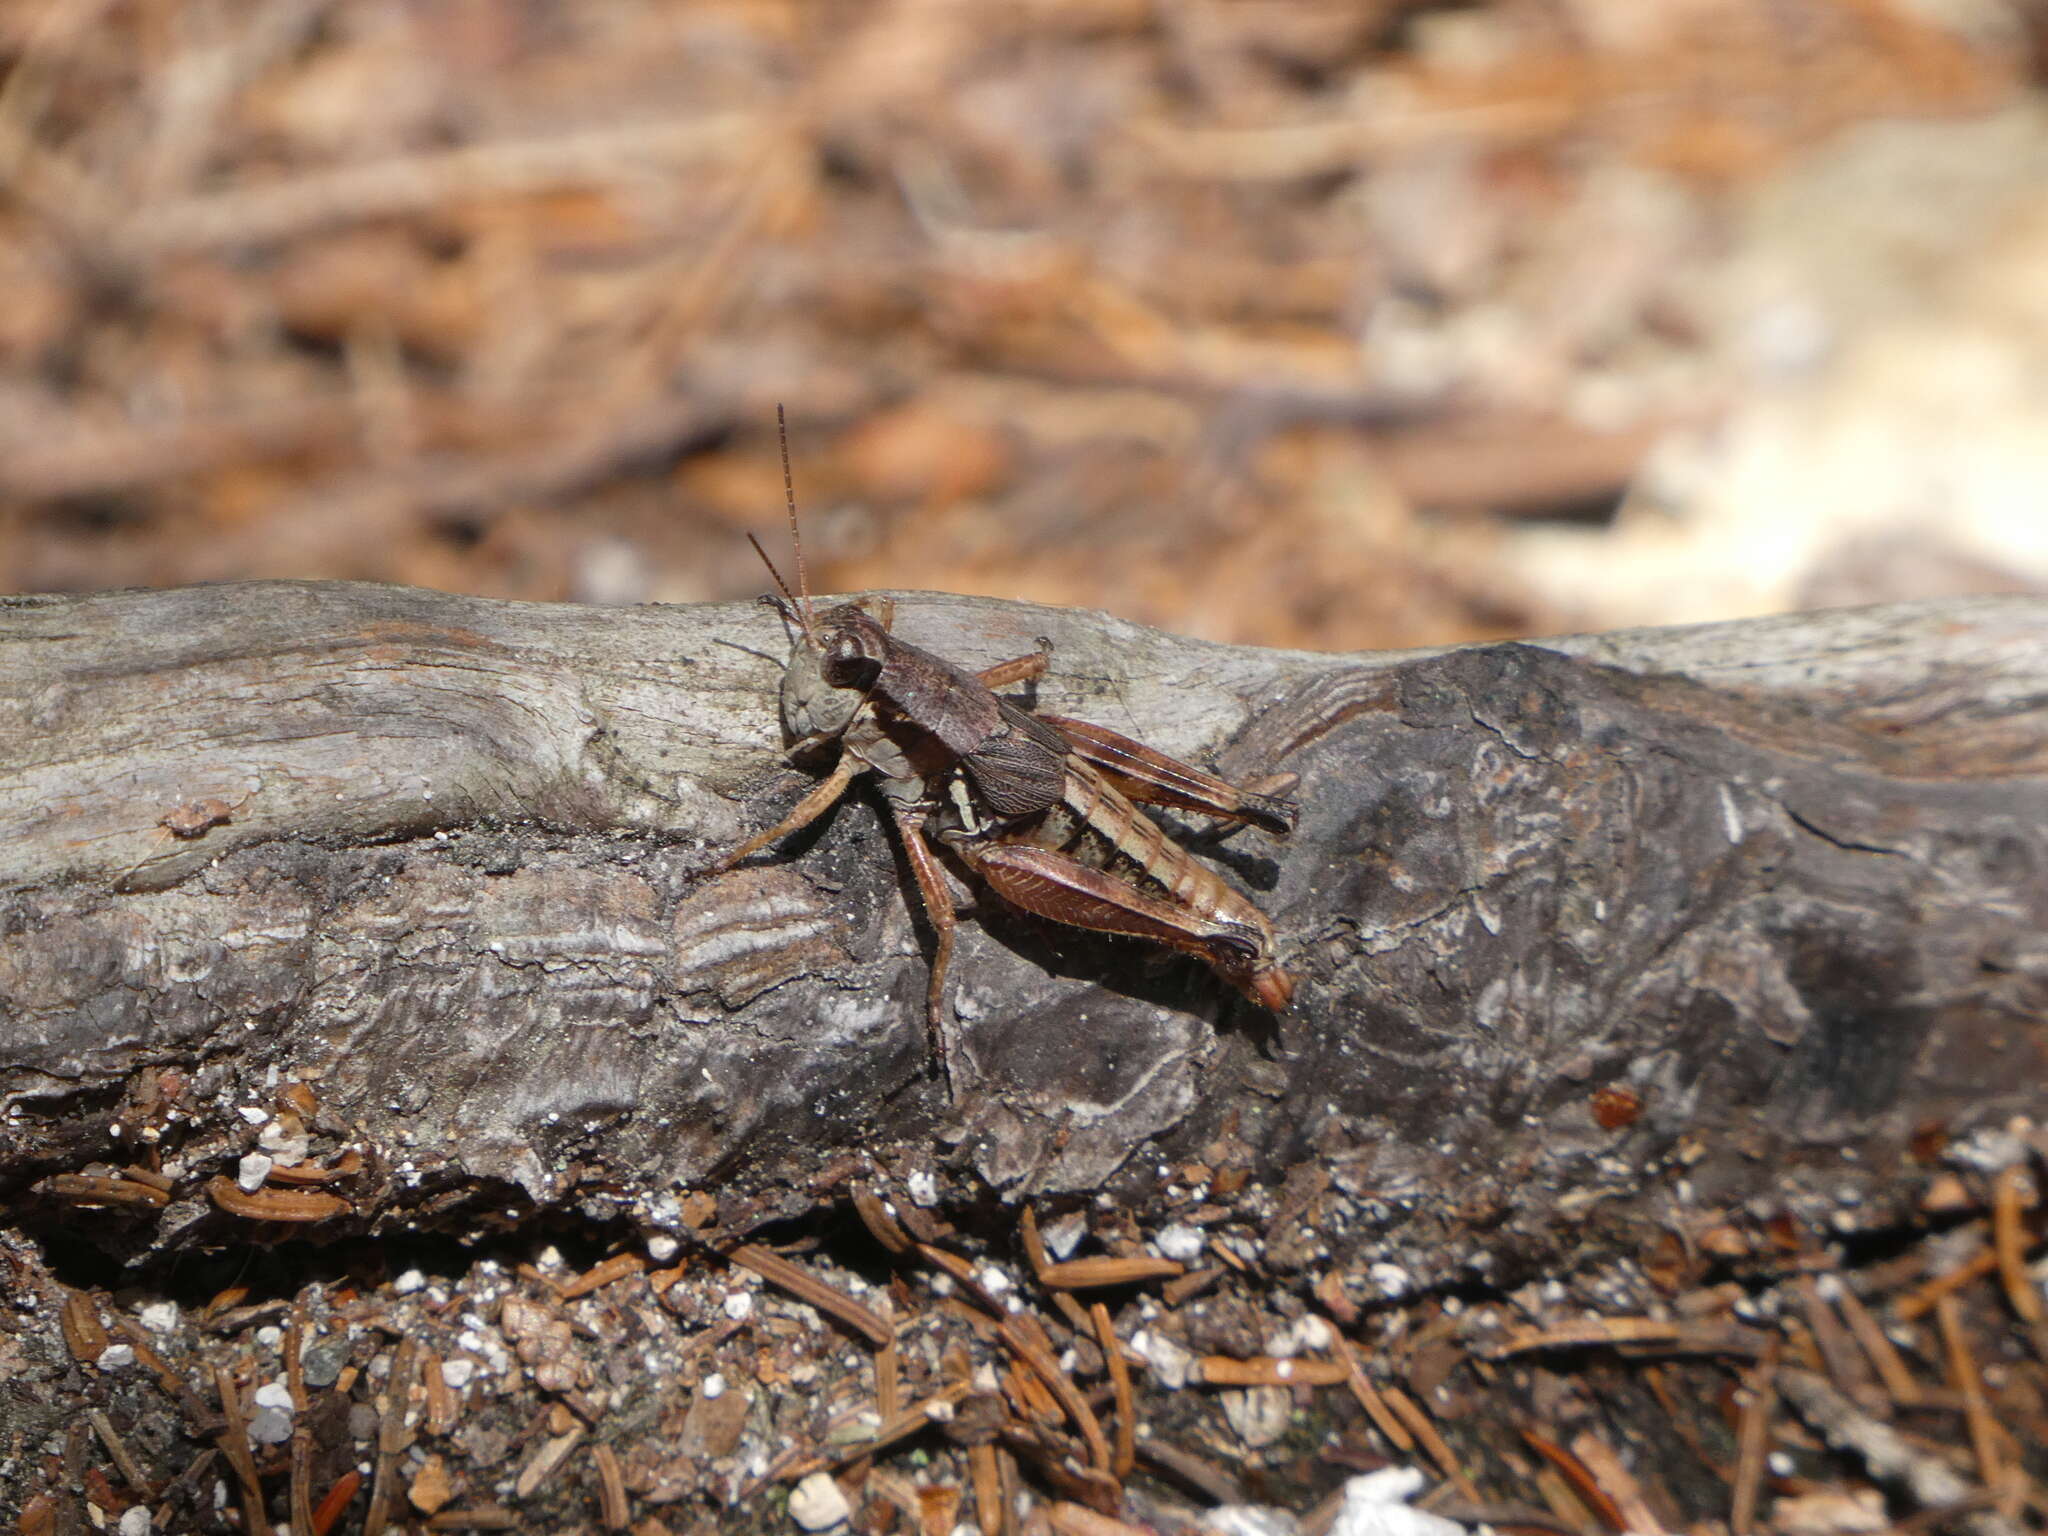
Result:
1745,917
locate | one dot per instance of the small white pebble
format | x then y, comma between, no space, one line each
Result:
412,1280
1169,1363
458,1372
134,1521
273,1394
1248,1520
1063,1234
661,1247
1375,1505
713,1385
739,1304
817,1504
269,1426
1180,1242
253,1114
159,1316
923,1187
252,1170
116,1357
1389,1485
1393,1281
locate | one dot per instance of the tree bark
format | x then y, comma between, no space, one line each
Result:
1725,915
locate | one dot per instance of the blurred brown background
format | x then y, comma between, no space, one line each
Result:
1315,322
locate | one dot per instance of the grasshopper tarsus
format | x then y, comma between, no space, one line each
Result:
1040,806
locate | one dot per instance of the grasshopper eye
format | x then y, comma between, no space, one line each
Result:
848,665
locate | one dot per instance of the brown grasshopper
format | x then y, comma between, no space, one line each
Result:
1039,806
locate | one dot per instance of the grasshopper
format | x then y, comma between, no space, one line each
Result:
1039,806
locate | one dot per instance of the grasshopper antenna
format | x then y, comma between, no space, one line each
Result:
803,581
801,610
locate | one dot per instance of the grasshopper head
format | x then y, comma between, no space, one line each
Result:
832,665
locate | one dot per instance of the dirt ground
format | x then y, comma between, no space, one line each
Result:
1327,324
1323,323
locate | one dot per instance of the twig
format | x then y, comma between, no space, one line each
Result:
481,1517
1027,1340
1638,1335
233,1441
75,459
302,1481
294,1365
778,1271
874,1215
1963,1375
1410,1413
1623,1492
1837,1351
1584,1485
611,1488
1124,1453
1369,1397
986,1477
392,1438
1267,1371
130,1469
328,1512
1102,1270
917,1416
1070,1519
1882,1353
617,1267
1752,1439
414,183
1931,1483
1928,1295
2009,1243
888,1381
548,1459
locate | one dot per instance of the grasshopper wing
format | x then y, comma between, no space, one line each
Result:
1145,774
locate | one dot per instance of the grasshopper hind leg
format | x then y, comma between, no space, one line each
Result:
1053,885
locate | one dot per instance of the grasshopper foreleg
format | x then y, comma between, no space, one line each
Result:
809,809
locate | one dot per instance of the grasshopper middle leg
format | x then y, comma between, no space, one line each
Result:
938,906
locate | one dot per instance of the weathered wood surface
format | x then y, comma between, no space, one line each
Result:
1784,884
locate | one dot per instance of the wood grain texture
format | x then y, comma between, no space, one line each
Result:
1785,882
